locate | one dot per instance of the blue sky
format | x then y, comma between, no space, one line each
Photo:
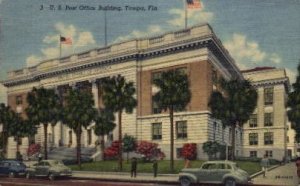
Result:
256,32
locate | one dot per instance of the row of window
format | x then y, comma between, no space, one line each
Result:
268,138
268,153
268,120
181,130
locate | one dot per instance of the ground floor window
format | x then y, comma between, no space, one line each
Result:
181,129
156,131
178,152
269,153
253,154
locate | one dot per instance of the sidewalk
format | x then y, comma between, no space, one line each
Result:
285,175
125,177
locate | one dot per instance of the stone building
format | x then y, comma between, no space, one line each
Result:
266,131
196,51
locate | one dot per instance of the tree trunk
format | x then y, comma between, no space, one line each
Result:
233,142
45,141
5,140
102,146
120,141
78,147
171,140
18,146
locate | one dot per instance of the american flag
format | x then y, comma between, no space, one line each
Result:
65,40
193,4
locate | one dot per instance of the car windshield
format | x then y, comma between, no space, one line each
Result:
57,163
235,166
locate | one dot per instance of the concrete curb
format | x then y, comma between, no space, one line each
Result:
122,173
113,177
261,172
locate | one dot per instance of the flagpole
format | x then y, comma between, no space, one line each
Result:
59,46
186,18
105,29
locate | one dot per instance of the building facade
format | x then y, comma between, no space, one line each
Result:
266,131
196,51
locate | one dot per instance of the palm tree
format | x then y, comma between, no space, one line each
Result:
78,112
173,95
294,104
21,128
118,95
104,124
44,107
234,106
7,116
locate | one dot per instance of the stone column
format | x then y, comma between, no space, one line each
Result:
95,92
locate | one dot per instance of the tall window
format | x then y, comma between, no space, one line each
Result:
181,129
253,120
253,154
253,139
156,75
19,100
89,136
268,119
214,132
268,138
155,108
268,95
156,131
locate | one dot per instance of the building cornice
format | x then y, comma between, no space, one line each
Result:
136,53
272,82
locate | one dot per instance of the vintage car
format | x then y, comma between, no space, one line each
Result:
48,168
224,172
12,168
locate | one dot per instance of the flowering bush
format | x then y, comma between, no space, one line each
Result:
33,149
149,150
112,151
189,151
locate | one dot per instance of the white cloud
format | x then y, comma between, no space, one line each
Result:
81,40
275,58
195,16
291,74
32,60
151,30
84,39
248,54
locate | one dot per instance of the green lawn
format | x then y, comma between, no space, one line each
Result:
163,166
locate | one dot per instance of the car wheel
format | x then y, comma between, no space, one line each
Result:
230,182
51,176
184,181
27,175
11,175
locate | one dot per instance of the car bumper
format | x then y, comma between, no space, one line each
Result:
65,174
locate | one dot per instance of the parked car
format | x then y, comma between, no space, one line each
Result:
48,168
224,172
12,168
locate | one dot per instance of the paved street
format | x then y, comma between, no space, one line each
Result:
4,181
284,176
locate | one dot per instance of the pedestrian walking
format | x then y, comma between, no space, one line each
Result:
264,163
298,167
133,167
155,167
40,157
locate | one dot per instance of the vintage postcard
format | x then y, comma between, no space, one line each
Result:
149,92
